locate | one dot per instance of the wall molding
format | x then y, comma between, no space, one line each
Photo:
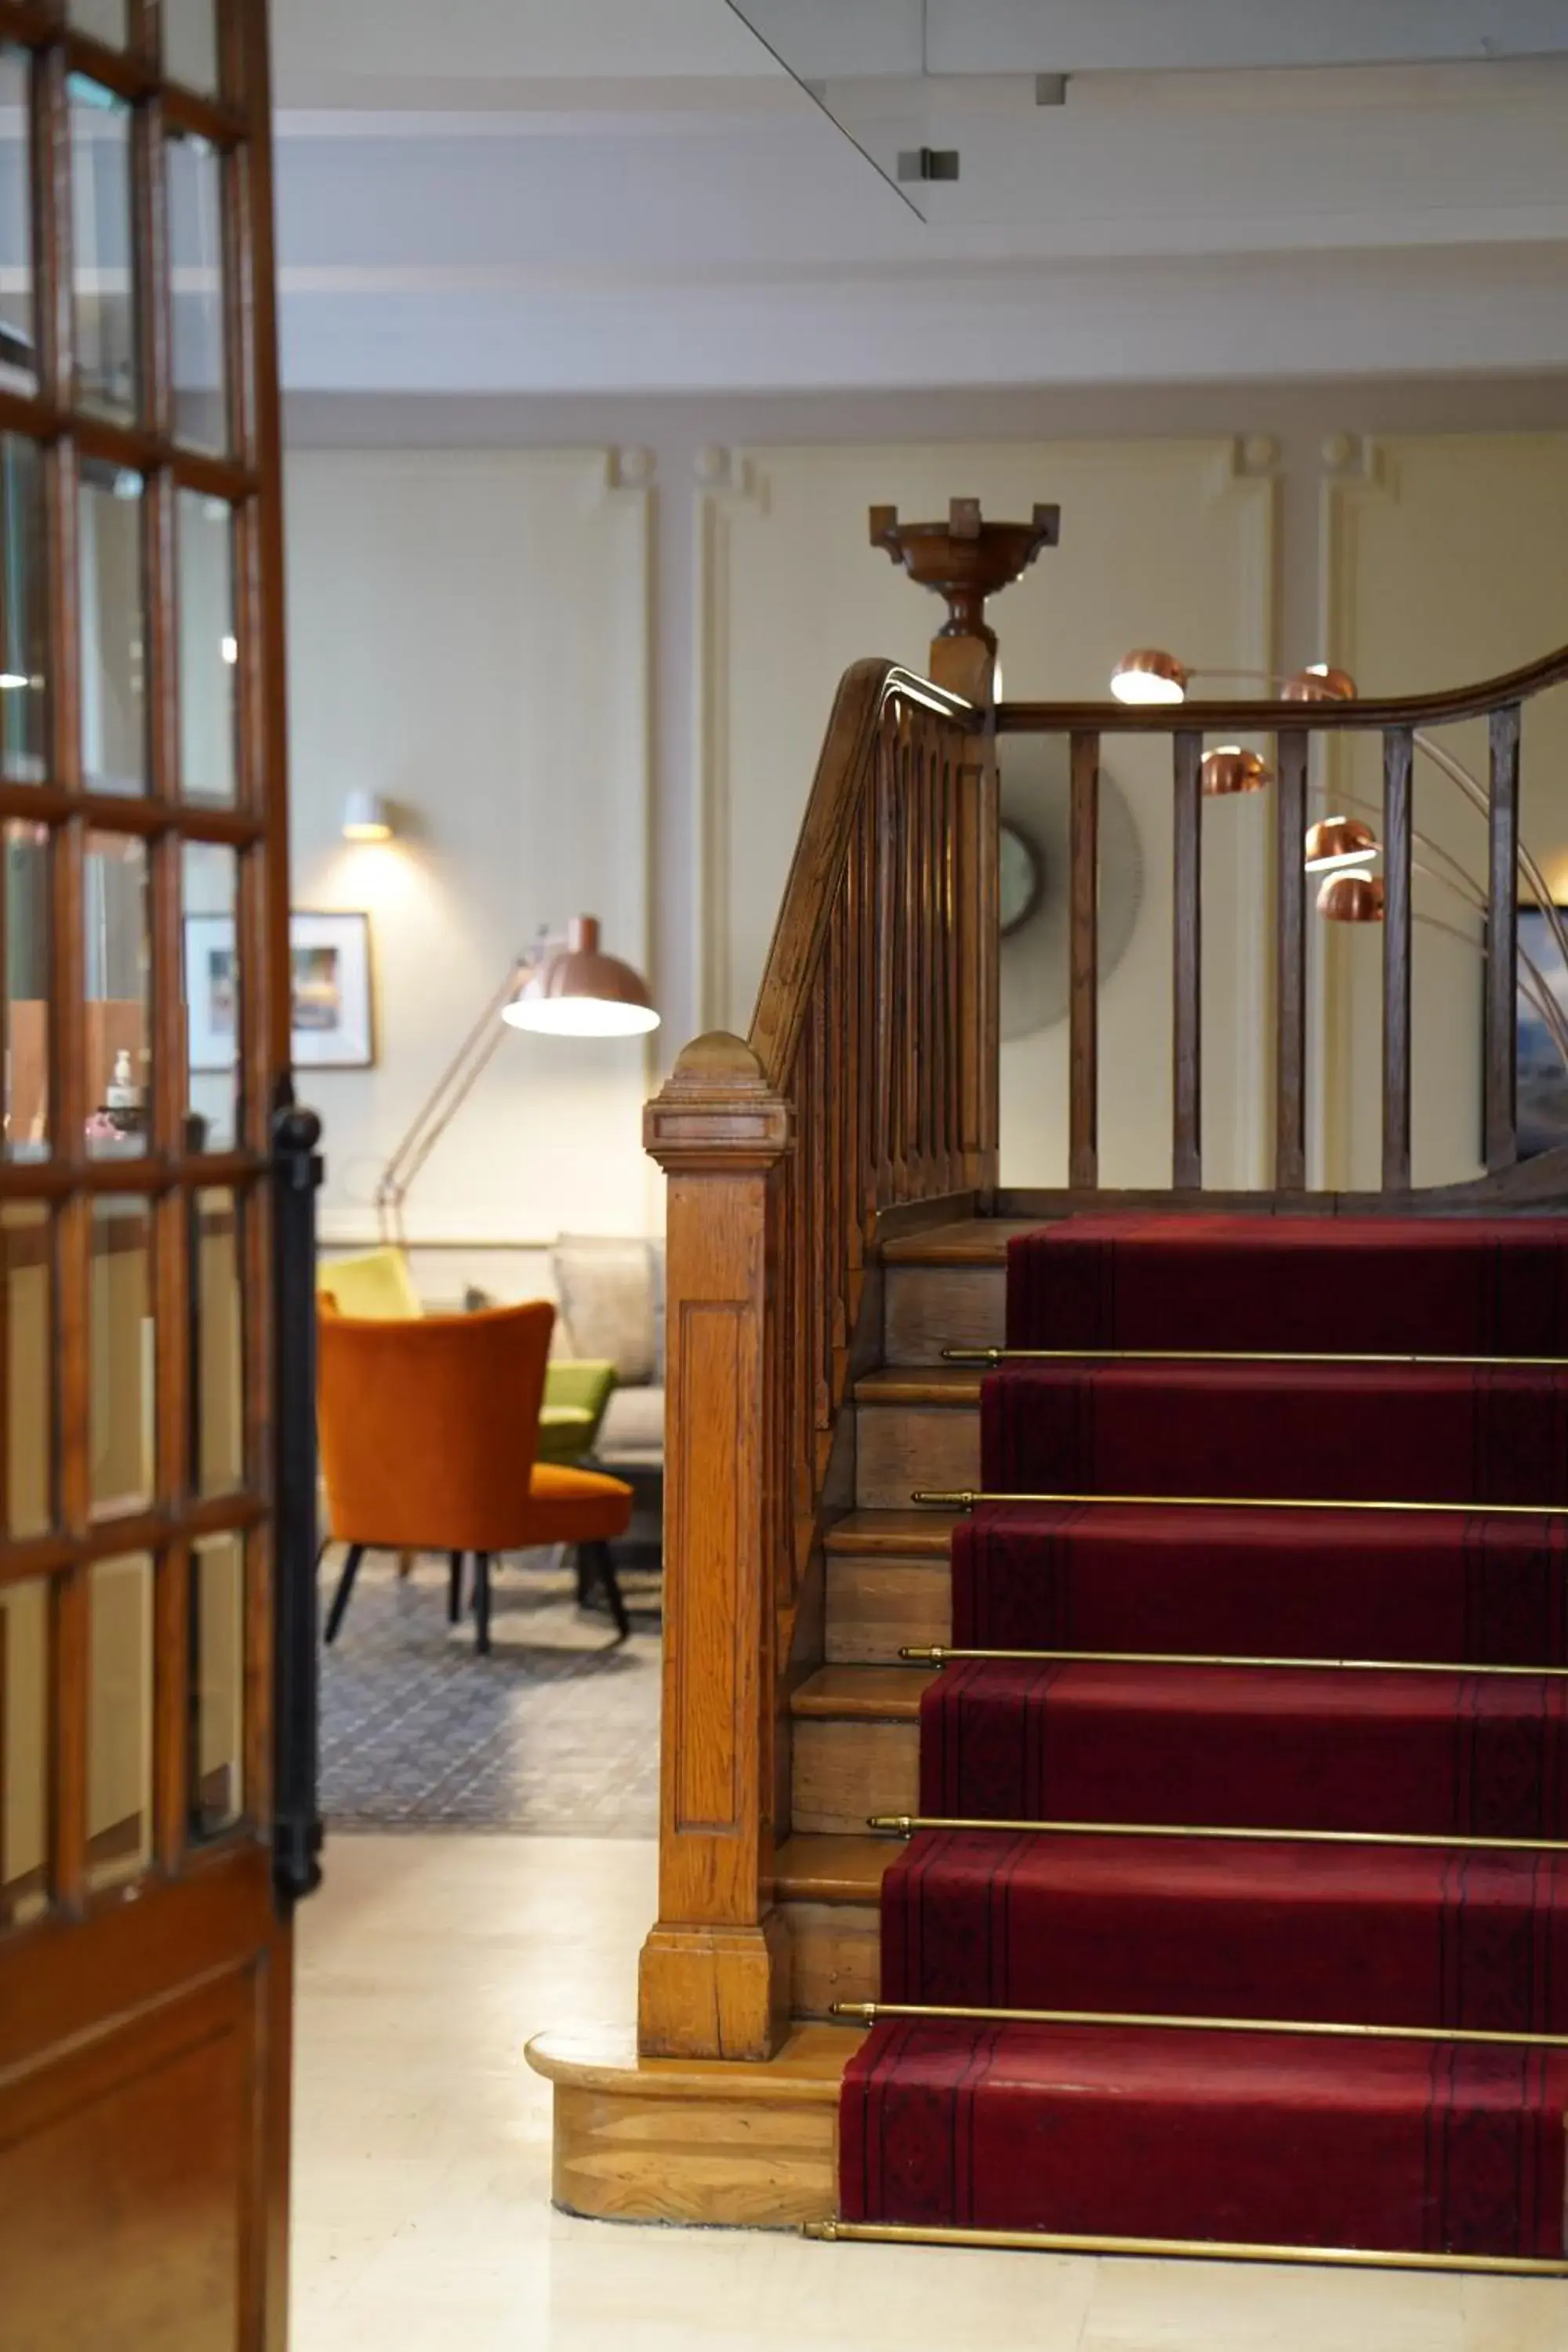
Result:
729,485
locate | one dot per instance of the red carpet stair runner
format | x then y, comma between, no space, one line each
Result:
1422,2146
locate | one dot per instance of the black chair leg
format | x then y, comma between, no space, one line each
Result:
604,1570
482,1603
345,1586
584,1576
455,1589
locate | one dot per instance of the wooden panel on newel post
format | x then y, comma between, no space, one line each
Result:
715,1966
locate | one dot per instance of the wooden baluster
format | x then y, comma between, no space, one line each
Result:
1083,963
886,842
807,1277
1502,946
1396,919
1290,944
1187,1041
928,949
821,1173
715,1966
843,1250
864,1064
958,1176
905,1071
985,1027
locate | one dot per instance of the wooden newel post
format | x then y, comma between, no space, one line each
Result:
715,1967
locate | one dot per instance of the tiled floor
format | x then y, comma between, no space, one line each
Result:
421,2193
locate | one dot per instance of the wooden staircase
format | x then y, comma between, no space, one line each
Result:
835,1224
666,2139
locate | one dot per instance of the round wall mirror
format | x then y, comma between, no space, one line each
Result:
1023,877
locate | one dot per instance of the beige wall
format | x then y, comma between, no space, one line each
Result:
1162,540
1406,529
468,638
1443,560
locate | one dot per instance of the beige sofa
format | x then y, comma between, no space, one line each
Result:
611,1306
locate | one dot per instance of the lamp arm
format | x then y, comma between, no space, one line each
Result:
1476,792
1530,981
450,1090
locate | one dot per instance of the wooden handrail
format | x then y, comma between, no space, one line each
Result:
1267,717
1400,722
820,853
868,1084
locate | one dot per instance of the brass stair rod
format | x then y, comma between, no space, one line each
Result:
907,1825
1237,1356
942,1500
1201,2250
939,1654
867,2013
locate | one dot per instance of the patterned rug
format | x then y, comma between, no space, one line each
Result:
556,1733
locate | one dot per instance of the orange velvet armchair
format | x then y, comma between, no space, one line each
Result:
429,1434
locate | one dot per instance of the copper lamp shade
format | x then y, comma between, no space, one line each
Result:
580,992
1337,841
1229,769
1352,898
1318,683
1150,675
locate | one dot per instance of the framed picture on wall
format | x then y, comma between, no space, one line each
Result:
335,1025
333,1015
1542,1079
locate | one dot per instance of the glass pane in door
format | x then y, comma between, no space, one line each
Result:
25,985
18,360
209,649
24,613
25,1610
217,1683
103,285
213,996
196,239
106,20
27,1369
120,1719
218,1350
113,626
117,983
190,43
121,1372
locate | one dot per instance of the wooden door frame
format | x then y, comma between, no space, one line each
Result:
201,1960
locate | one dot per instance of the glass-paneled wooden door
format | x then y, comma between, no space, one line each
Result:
150,1737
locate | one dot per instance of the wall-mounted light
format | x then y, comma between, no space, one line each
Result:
366,817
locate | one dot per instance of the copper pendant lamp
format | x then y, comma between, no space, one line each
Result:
1352,898
581,991
1229,769
1337,841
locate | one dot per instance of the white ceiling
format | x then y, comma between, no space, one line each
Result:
633,194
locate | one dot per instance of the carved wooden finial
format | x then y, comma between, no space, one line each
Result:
965,559
717,1112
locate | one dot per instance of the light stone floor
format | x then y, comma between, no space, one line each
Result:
421,2185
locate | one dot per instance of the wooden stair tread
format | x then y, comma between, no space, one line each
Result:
809,2066
977,1240
864,1694
817,1869
894,1534
939,1384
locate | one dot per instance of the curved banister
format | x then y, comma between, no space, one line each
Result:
1268,718
844,772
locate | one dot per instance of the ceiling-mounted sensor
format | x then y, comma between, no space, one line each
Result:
928,164
1051,90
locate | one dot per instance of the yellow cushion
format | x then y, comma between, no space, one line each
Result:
375,1288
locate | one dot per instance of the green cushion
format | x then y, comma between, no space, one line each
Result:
576,1391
